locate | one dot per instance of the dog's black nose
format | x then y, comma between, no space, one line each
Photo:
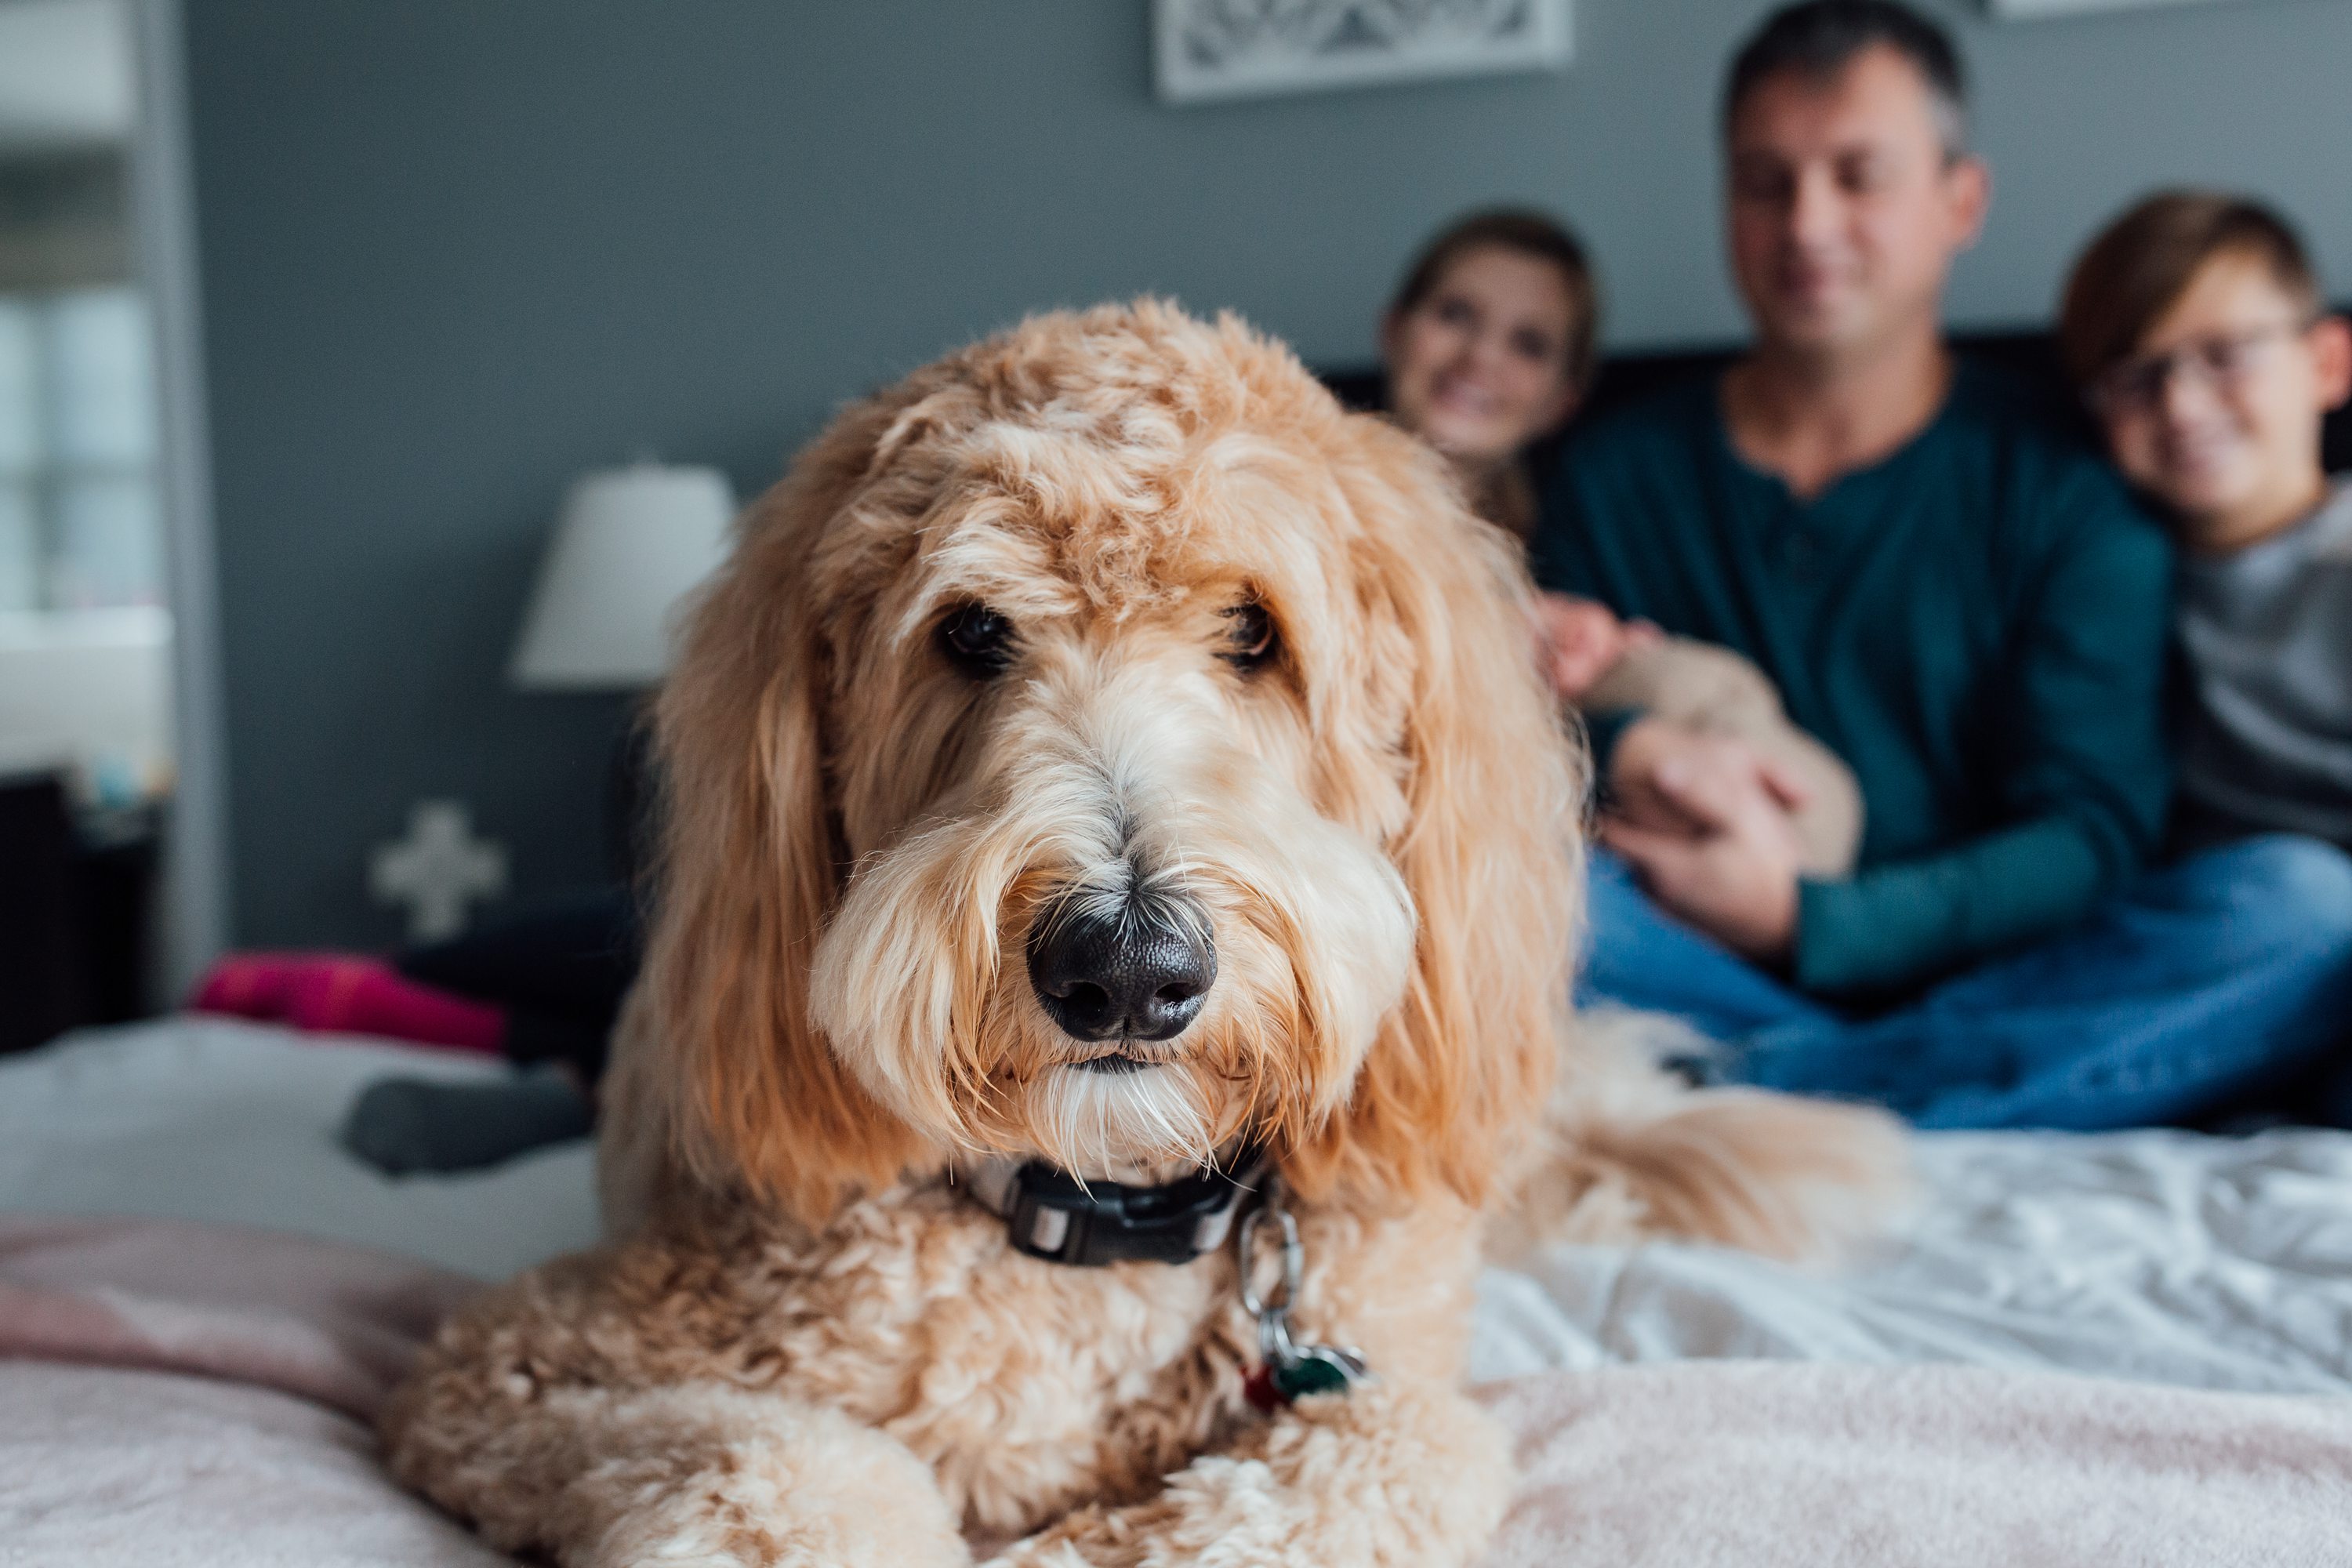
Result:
1126,973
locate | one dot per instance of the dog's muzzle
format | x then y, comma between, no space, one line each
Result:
1139,970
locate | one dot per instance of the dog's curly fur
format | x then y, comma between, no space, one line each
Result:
805,1344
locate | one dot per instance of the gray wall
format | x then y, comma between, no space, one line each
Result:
455,253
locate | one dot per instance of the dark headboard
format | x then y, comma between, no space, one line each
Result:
1625,377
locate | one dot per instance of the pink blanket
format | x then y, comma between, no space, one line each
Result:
190,1397
176,1394
331,1324
1766,1463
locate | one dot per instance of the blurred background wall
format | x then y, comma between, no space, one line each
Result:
455,253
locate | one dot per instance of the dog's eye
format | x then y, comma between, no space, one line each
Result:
977,641
1249,641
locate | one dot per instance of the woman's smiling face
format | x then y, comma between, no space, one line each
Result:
1479,367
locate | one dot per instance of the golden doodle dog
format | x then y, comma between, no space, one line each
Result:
1115,825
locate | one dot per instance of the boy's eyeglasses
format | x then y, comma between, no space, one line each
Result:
2222,362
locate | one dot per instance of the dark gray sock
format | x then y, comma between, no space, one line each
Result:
404,1125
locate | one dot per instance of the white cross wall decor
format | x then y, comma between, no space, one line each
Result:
437,870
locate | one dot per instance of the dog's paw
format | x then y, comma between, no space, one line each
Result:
791,1487
719,1536
1387,1475
709,1532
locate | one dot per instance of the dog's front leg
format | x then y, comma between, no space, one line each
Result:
1386,1476
696,1475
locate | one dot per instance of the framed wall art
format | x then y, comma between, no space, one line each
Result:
1208,50
2023,10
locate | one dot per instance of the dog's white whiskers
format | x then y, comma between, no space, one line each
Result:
1100,1122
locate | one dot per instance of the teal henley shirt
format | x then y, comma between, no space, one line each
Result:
1976,624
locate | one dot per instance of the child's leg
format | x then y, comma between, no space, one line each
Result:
2200,983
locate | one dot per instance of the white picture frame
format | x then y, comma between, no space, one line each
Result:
2032,10
1206,51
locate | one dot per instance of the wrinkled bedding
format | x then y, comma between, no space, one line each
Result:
180,1394
1821,1465
337,1326
1674,1405
2170,1257
159,1378
2164,1256
234,1123
101,1467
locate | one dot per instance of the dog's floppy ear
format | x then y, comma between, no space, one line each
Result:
1490,849
753,867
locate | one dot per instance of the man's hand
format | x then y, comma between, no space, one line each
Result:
1704,822
1576,641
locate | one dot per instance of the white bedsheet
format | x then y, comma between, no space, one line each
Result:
209,1119
2162,1256
2168,1256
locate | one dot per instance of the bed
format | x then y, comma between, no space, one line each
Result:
2154,1329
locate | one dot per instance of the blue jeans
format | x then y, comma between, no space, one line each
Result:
2196,986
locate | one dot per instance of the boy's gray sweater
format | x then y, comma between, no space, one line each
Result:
2267,632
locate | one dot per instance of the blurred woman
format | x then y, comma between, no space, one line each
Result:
1490,344
1489,348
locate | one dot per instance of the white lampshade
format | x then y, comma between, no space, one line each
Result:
631,545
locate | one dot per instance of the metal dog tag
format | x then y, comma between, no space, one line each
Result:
1289,1370
1296,1370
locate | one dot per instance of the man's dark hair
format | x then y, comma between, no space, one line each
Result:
1818,39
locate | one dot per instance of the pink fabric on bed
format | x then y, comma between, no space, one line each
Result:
107,1468
333,1324
1808,1465
261,1458
197,1397
345,994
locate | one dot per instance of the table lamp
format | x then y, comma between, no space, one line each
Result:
631,545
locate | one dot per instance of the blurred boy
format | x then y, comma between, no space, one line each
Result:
2196,327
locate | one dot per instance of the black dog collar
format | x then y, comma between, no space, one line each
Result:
1050,1213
